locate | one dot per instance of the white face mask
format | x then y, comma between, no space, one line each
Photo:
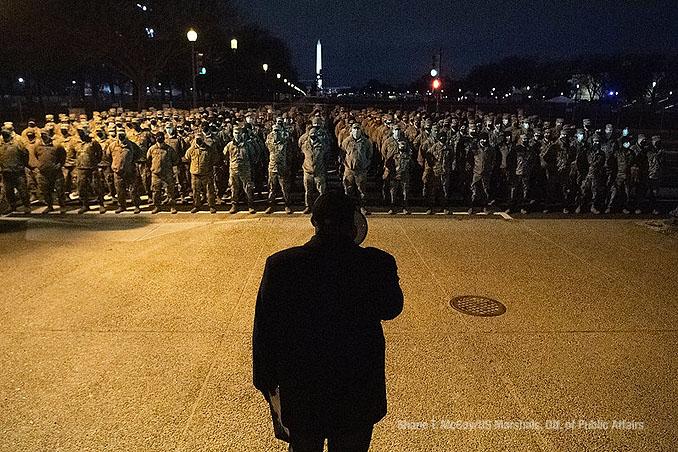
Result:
580,137
355,133
504,121
526,126
627,145
396,134
248,119
625,132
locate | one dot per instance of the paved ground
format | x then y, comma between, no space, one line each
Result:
133,333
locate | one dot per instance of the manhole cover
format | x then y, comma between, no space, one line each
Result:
479,306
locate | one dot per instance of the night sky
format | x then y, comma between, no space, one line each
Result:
394,41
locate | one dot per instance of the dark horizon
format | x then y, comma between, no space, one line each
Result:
363,41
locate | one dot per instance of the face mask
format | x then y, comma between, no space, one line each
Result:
657,144
249,120
122,135
625,132
627,145
160,139
199,141
30,136
6,135
101,135
608,131
526,126
355,133
396,135
580,137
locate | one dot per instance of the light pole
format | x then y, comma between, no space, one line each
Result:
192,36
234,48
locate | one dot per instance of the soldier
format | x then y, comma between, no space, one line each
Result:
182,175
527,160
315,153
622,160
639,171
31,141
483,157
242,155
397,166
124,155
280,152
87,158
13,163
655,160
70,143
507,166
201,159
595,176
357,155
437,159
50,160
162,158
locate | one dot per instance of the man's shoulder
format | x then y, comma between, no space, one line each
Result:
377,254
286,255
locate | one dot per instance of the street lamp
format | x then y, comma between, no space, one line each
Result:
234,44
192,36
278,76
265,67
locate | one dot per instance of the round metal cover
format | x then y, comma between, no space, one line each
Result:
360,226
478,306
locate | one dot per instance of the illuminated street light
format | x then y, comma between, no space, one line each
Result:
73,82
285,80
434,72
192,35
234,44
278,75
436,84
21,79
265,67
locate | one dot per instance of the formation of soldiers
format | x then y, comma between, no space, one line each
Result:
218,155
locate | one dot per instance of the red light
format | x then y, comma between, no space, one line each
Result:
436,84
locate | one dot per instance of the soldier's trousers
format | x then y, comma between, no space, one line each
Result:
275,180
123,183
652,193
591,189
356,179
203,184
398,185
32,182
183,178
242,181
480,189
161,182
68,178
310,182
89,183
15,180
620,188
48,182
522,189
434,184
106,174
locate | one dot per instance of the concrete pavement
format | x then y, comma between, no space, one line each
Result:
134,333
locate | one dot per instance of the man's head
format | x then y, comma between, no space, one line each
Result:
334,213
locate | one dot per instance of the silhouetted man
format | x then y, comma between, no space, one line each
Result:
317,332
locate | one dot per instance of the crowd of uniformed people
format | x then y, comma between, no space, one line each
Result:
219,155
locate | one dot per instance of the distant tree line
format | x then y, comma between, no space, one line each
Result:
106,45
641,79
